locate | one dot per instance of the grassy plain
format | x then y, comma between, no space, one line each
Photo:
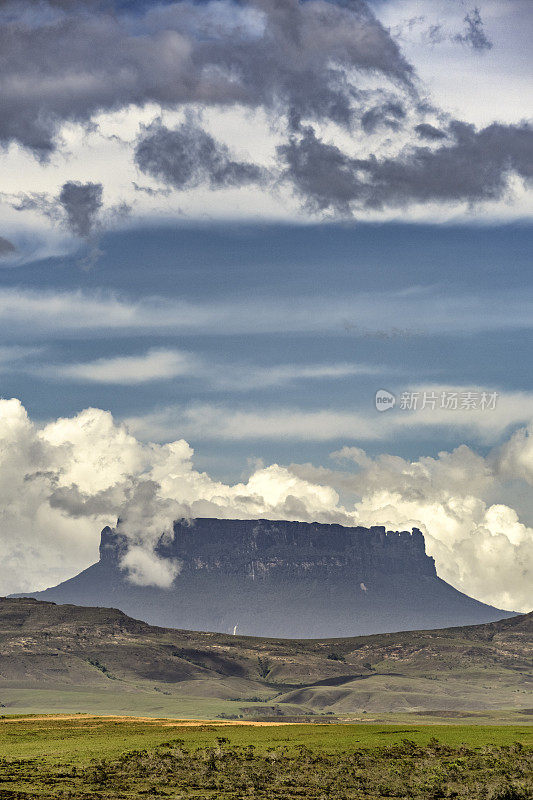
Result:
79,738
85,756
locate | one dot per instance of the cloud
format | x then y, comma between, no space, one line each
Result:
321,173
11,357
81,203
430,132
35,201
438,23
187,156
7,248
150,191
387,115
258,75
474,34
155,364
472,166
40,544
62,482
148,568
218,422
239,377
71,476
76,207
206,421
165,363
515,458
479,545
432,310
83,59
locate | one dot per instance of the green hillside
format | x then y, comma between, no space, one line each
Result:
73,659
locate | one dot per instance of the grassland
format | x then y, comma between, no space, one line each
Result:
155,704
77,740
89,757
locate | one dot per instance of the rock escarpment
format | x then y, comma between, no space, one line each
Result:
282,579
267,550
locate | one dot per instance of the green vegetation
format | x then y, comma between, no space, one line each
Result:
88,757
95,663
336,657
263,666
82,737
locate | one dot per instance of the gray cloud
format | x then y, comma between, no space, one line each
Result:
436,34
426,131
150,191
34,201
280,54
81,203
387,115
474,35
187,156
324,175
474,165
7,248
78,207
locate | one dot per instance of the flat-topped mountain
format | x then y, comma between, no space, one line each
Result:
265,550
71,658
281,579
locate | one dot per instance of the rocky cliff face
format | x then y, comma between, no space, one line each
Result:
267,550
281,579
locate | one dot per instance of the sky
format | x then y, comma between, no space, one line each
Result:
227,230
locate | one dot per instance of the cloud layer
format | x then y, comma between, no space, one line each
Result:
158,364
85,58
263,109
431,310
64,481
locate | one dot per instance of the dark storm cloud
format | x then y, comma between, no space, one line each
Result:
387,115
324,175
426,131
473,166
474,34
67,61
187,156
81,203
7,248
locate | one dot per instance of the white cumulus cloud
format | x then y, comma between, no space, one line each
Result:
64,481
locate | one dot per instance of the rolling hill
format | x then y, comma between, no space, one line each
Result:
69,658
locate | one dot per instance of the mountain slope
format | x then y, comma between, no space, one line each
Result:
79,651
290,579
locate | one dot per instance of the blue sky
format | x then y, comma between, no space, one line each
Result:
316,266
229,225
